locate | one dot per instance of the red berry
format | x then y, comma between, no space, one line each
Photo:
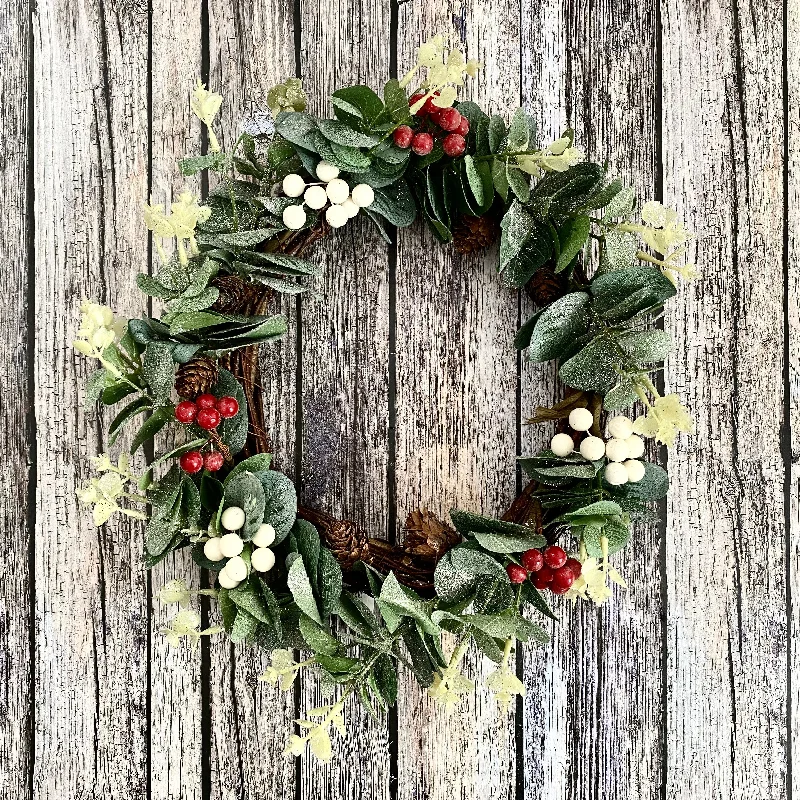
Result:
575,566
543,578
192,461
559,589
454,144
208,418
516,573
206,401
403,136
429,107
532,560
422,143
228,407
555,557
463,128
563,578
213,460
413,100
185,412
449,119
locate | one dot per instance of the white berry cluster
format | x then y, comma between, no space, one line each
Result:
344,203
622,450
231,546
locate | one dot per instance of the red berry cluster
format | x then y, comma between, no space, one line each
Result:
550,569
444,123
208,412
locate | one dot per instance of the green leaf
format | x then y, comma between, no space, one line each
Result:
468,524
396,101
518,132
355,615
158,369
573,235
533,596
245,491
329,581
300,587
620,205
525,245
212,493
618,251
595,368
547,466
244,627
519,182
227,609
194,444
385,679
357,104
280,503
615,531
558,326
247,596
138,406
407,603
653,486
646,347
194,164
622,294
395,204
232,431
464,573
499,543
479,177
317,638
152,425
255,464
422,665
343,134
621,396
605,195
600,508
297,127
559,195
497,133
524,334
500,179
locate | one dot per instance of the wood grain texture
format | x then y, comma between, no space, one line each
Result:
791,442
457,413
16,702
345,363
90,172
726,587
176,734
583,735
251,48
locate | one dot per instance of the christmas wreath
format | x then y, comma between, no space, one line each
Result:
599,268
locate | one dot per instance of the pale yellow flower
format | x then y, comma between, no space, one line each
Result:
556,157
205,106
666,416
287,96
185,214
186,623
449,686
98,330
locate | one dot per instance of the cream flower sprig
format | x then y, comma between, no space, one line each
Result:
104,492
186,623
556,157
451,684
180,223
666,416
503,682
98,331
445,71
592,584
283,669
318,736
176,591
205,106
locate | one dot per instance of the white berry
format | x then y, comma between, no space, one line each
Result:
294,217
593,448
336,216
363,195
620,427
581,419
265,535
351,208
212,551
338,191
225,580
635,446
616,474
327,171
562,445
617,450
315,197
231,545
293,185
236,569
263,559
635,470
232,518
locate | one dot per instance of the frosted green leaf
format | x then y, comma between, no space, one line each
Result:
653,486
343,134
257,463
317,638
280,502
524,245
497,133
573,235
499,543
621,396
244,626
246,596
558,326
245,491
407,603
594,368
618,251
622,294
158,369
645,347
519,132
300,587
620,206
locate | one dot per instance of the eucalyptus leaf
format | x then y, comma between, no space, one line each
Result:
280,502
300,587
558,326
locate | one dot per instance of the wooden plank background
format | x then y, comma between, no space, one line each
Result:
409,392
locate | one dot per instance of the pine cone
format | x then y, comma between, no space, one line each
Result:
347,543
427,536
196,377
237,296
544,287
474,233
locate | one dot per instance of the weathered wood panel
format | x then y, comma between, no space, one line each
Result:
176,734
16,701
457,413
584,735
726,662
90,173
251,48
345,365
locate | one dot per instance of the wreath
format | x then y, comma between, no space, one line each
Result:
599,269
